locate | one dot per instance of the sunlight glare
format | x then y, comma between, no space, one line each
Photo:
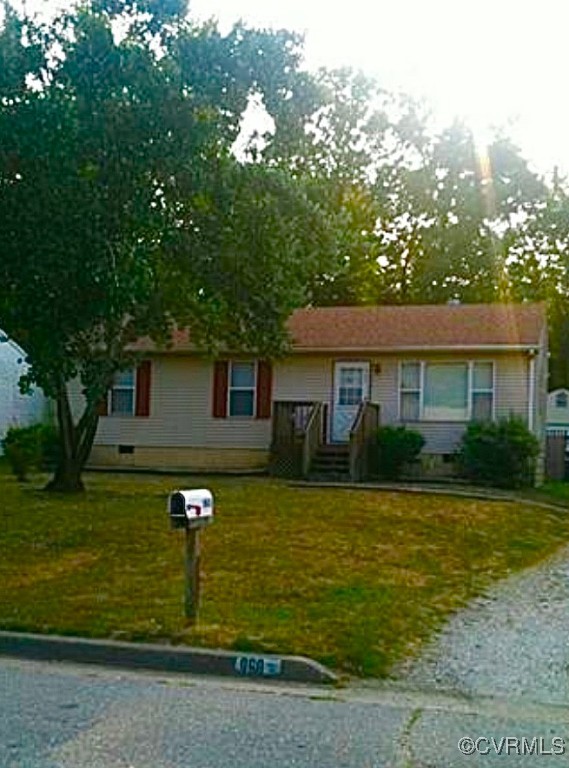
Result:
489,62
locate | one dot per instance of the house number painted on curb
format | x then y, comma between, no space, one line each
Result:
258,666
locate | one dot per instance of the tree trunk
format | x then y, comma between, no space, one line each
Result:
67,477
76,442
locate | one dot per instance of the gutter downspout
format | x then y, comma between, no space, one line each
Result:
531,390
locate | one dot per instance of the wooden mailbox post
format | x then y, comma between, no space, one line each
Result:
191,511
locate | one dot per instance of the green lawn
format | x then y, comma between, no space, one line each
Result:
355,579
555,492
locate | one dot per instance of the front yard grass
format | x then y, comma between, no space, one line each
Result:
553,491
356,579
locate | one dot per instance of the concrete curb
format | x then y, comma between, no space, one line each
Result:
164,658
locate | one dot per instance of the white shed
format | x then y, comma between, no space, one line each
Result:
558,410
16,409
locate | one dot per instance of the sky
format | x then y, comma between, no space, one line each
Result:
490,62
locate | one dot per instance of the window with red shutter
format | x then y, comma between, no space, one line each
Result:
121,398
242,389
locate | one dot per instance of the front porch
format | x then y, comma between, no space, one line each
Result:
301,445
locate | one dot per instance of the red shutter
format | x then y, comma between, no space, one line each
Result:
264,387
143,373
103,407
220,383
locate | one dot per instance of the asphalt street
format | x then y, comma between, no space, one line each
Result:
55,715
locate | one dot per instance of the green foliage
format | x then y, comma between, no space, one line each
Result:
397,446
128,211
31,448
499,453
119,181
440,221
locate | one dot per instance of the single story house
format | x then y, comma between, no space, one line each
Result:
16,409
433,368
558,410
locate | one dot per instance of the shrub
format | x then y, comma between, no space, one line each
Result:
397,446
50,445
499,453
31,448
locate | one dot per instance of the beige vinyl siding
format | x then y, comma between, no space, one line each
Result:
181,413
512,386
181,407
307,377
303,378
510,394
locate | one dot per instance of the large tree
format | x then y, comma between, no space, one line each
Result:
443,227
357,135
123,209
538,265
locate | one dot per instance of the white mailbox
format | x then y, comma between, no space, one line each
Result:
190,509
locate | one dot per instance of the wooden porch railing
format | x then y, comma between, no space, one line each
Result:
312,438
298,427
361,440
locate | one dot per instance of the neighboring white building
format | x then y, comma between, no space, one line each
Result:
558,410
16,409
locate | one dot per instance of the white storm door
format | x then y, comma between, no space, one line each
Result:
351,386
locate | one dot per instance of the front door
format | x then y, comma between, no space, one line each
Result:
351,386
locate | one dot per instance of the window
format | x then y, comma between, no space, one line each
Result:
122,394
446,391
351,389
242,389
482,391
561,400
242,386
410,407
445,395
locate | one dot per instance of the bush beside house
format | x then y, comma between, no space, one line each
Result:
397,447
502,453
31,448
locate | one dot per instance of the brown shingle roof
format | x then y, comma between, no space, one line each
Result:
404,327
455,325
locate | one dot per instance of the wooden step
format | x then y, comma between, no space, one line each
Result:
330,469
331,463
329,477
342,449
